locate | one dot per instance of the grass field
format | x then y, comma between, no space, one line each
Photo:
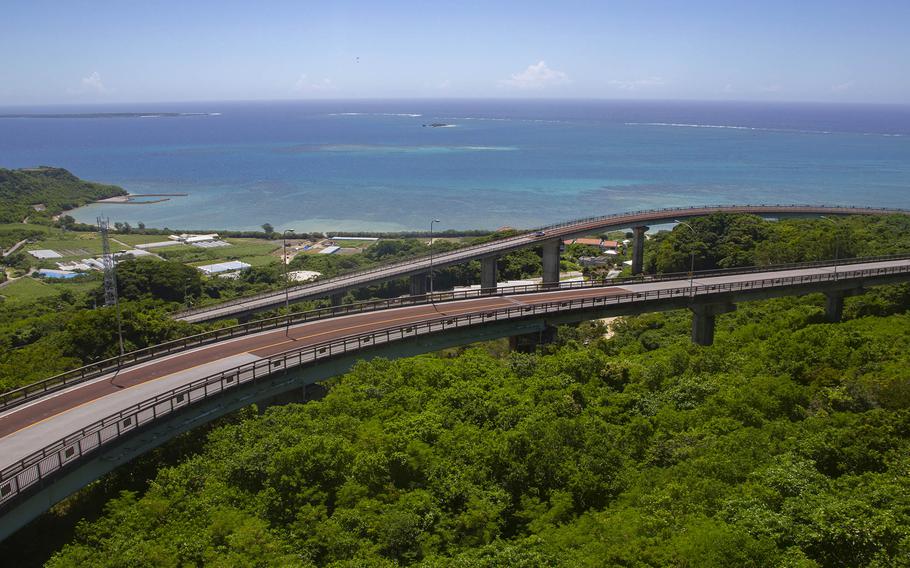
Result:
75,287
252,251
134,240
247,247
88,242
19,226
27,289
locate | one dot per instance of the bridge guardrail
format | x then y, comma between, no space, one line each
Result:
38,466
472,251
21,395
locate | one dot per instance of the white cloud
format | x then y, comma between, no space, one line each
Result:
536,76
305,85
636,84
842,87
90,85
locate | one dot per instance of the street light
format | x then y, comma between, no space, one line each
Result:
692,262
287,297
836,244
431,256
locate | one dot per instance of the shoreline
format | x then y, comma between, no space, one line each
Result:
130,198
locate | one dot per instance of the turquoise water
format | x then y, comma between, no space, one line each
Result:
373,165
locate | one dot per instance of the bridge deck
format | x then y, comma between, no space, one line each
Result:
29,427
341,284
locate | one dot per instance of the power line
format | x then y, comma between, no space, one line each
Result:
110,277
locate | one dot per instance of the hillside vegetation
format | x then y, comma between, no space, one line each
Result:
785,444
55,188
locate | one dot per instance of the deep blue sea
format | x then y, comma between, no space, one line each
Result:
373,165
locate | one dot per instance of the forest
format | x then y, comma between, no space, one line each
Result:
786,443
55,189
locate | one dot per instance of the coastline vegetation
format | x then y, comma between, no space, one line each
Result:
40,193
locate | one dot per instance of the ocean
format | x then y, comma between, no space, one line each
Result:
383,166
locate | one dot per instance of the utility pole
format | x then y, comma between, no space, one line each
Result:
110,277
692,262
836,242
431,256
287,297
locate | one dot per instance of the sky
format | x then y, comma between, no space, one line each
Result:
100,51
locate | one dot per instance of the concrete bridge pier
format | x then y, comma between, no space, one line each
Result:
488,275
551,263
834,306
529,342
304,394
638,249
704,317
419,284
834,303
336,299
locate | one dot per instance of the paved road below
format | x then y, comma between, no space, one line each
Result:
29,427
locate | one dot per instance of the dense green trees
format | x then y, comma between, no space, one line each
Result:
727,241
168,281
55,188
786,443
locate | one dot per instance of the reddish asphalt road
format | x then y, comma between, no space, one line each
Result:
270,343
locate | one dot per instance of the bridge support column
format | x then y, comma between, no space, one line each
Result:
638,249
306,393
834,306
529,342
419,284
488,274
336,299
834,303
704,317
551,263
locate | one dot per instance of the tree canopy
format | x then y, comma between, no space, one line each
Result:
786,443
54,188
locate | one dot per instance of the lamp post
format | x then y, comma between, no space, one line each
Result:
431,256
287,297
692,261
836,244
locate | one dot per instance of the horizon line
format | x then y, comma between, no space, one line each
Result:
460,99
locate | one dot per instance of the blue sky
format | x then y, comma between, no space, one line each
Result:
77,51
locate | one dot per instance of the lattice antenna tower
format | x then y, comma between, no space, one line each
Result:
110,276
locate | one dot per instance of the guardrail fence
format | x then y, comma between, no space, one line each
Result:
473,251
94,370
29,471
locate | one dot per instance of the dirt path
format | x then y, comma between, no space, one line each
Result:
11,280
15,247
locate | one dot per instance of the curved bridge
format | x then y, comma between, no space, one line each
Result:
548,238
55,440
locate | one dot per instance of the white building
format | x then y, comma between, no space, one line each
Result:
219,267
45,254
